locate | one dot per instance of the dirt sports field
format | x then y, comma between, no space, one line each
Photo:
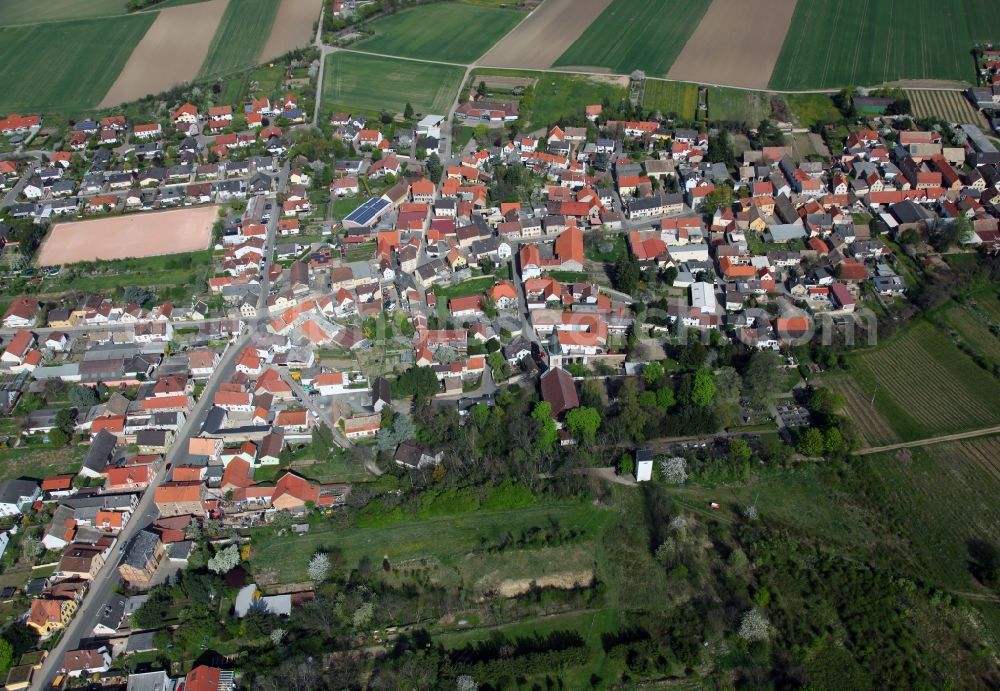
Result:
539,40
292,28
736,43
134,235
171,51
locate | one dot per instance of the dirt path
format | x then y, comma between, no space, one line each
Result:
171,52
736,43
292,28
929,441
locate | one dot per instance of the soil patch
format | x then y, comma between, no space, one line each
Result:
292,27
171,52
563,581
539,40
133,235
737,43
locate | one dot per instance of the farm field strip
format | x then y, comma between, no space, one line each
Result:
951,106
445,31
974,330
243,30
373,83
91,53
292,28
671,97
885,40
875,429
983,20
636,35
35,11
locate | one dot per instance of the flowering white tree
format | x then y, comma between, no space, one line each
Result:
465,683
750,512
755,626
674,470
277,635
363,615
225,560
319,566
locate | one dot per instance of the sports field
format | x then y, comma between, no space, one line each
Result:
923,385
444,31
671,97
837,43
65,65
242,33
353,81
950,106
636,35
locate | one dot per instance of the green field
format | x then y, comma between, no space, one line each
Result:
671,97
91,53
443,31
983,20
556,96
810,109
736,105
34,11
474,286
636,35
925,386
841,43
973,325
242,33
353,82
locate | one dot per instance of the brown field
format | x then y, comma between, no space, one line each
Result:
171,52
857,405
539,40
292,28
134,235
736,43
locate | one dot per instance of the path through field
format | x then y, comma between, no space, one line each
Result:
929,441
171,52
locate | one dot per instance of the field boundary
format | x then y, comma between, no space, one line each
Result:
958,436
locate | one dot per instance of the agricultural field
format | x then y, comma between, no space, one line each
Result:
973,325
870,423
983,21
292,28
444,31
241,35
556,95
671,97
353,81
636,35
925,386
950,106
33,11
842,43
737,105
91,54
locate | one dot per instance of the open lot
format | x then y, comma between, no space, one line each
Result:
925,386
636,35
240,37
134,235
87,55
737,105
671,97
549,30
950,106
840,43
292,28
736,43
171,52
354,81
444,31
32,11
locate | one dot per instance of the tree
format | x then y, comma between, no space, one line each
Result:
434,168
58,437
225,560
762,378
319,566
626,466
719,198
739,450
82,396
6,656
674,470
465,683
832,440
481,89
720,149
625,275
408,111
653,372
583,424
755,627
547,432
665,398
416,381
811,443
363,615
703,390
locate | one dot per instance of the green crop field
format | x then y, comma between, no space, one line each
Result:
924,385
841,43
353,81
91,53
671,97
636,35
983,19
556,96
242,33
443,31
34,11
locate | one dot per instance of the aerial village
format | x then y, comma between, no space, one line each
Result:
188,409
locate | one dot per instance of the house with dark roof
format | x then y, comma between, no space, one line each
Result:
99,455
16,493
141,558
559,391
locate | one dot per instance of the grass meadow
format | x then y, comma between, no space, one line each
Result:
671,97
65,66
354,81
636,35
737,105
444,31
842,43
242,33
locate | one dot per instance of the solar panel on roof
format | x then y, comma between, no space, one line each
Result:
367,212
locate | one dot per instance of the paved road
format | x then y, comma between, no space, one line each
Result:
929,441
107,578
